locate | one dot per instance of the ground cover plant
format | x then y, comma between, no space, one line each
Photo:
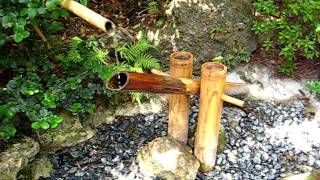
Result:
291,26
39,85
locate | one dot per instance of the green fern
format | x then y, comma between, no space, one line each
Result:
153,8
88,53
147,61
138,55
73,52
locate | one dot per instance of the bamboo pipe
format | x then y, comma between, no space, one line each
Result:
213,76
88,15
181,65
153,83
230,88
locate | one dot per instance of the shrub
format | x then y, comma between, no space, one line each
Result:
19,17
63,78
314,87
294,26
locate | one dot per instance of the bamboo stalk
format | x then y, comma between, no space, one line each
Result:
213,76
181,64
230,88
151,83
88,15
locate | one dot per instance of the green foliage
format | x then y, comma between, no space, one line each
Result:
294,26
314,86
137,55
236,55
43,82
18,16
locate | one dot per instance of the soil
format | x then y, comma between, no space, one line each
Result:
124,13
306,68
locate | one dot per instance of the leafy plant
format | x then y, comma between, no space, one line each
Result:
314,86
137,55
17,17
236,55
294,26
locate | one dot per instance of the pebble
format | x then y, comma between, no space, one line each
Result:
249,154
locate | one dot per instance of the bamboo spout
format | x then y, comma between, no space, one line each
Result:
88,15
144,82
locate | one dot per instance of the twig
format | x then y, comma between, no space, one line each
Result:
41,35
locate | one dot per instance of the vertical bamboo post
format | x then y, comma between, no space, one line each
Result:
181,64
213,76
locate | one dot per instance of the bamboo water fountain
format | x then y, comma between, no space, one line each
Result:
212,88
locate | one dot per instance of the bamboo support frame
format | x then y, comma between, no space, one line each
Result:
181,65
88,15
213,76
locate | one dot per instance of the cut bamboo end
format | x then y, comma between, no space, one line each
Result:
181,65
213,76
88,15
181,59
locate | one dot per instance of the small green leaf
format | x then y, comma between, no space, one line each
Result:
84,2
44,125
76,107
32,12
41,10
36,125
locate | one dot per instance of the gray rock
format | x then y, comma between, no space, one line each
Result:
41,167
16,157
215,26
70,133
167,159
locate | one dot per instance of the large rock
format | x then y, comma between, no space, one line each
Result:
168,159
70,133
314,175
41,167
17,157
108,115
206,28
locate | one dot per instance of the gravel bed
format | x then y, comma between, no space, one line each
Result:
259,146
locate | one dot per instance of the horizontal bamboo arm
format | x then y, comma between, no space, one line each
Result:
88,15
153,83
230,88
144,82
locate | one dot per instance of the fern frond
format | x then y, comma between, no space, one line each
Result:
75,42
132,50
73,51
147,61
97,56
74,56
152,8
